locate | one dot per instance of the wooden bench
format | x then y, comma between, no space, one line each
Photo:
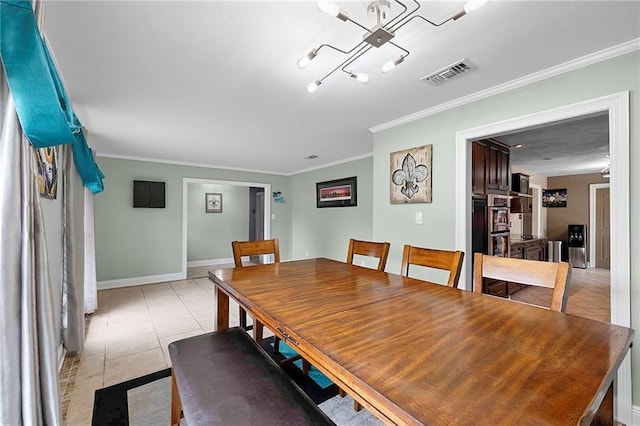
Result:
224,377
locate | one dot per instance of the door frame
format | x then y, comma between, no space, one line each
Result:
617,107
592,220
185,208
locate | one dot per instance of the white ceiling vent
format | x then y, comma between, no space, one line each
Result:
447,73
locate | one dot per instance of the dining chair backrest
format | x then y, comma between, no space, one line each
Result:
432,258
255,248
371,249
554,275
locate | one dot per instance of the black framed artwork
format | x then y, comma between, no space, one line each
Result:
337,193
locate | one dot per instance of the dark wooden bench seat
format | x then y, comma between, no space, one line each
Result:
225,378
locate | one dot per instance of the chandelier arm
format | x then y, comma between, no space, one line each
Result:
337,49
365,48
355,57
399,16
423,18
358,24
405,18
401,48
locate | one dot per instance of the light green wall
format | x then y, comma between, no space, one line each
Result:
394,222
208,232
325,232
139,242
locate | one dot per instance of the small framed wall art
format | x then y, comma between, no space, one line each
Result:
337,193
411,175
213,202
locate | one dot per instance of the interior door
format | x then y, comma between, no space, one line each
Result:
603,248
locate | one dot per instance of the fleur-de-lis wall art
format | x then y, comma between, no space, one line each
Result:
411,175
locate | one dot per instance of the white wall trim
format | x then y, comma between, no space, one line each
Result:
335,163
235,169
537,189
636,416
149,279
62,352
602,55
617,106
208,262
592,221
185,208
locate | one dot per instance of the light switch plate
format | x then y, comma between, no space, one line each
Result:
418,218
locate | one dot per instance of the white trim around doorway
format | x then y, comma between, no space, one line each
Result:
185,187
592,221
617,106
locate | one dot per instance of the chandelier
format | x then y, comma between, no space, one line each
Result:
376,36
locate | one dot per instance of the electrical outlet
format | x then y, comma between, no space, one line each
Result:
306,253
273,216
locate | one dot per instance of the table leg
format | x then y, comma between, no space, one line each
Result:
257,331
604,415
222,310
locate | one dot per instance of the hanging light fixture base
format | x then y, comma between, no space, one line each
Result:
378,36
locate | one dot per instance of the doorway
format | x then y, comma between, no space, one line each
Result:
617,107
265,209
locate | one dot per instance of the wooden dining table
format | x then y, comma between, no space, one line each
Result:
415,352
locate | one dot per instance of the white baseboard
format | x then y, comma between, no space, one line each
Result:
208,262
62,352
149,279
636,416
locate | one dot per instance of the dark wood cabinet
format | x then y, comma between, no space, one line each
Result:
479,168
491,169
520,183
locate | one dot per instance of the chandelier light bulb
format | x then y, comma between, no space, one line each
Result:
360,76
328,7
472,5
304,61
392,64
313,86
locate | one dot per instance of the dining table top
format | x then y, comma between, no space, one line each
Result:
415,352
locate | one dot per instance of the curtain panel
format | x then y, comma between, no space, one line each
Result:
42,104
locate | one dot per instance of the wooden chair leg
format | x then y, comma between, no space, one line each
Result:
341,393
276,345
306,366
357,406
242,314
257,332
176,405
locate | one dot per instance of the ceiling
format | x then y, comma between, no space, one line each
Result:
569,147
216,83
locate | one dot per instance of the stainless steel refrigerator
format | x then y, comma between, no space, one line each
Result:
577,244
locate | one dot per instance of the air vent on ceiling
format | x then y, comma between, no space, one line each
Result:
445,74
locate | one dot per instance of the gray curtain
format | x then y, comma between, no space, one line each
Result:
28,349
73,254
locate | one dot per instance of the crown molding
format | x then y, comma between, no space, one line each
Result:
593,58
186,163
213,166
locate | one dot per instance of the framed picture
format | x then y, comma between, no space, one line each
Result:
47,172
554,197
337,193
411,175
213,202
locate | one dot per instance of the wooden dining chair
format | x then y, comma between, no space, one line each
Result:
554,275
432,258
370,249
253,248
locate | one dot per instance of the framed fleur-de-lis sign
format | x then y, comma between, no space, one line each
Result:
411,175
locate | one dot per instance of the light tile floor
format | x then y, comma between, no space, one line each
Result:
127,336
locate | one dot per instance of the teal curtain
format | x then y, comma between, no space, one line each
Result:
42,104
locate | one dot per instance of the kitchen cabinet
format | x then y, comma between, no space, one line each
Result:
479,168
520,183
491,168
535,250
